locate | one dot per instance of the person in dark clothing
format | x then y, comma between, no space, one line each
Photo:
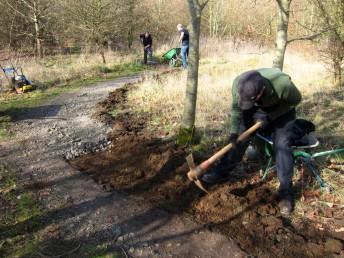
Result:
147,43
267,95
184,40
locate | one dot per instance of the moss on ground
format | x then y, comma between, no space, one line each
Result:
18,207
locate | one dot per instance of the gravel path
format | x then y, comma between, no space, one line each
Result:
77,207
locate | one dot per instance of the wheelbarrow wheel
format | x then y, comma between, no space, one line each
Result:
172,62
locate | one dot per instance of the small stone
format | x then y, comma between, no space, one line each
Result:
131,250
169,245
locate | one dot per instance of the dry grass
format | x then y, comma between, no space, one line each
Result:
59,69
219,66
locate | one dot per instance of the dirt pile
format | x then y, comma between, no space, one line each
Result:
244,209
248,213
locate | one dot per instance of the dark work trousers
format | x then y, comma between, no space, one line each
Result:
147,52
283,139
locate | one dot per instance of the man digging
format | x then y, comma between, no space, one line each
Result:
147,42
267,95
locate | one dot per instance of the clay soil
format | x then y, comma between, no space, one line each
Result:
244,209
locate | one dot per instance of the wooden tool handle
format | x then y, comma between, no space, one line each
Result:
207,163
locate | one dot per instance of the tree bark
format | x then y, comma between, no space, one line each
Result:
189,113
282,32
39,47
100,50
130,31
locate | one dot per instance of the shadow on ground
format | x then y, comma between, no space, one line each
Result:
326,110
40,112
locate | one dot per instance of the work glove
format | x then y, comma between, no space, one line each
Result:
263,118
233,138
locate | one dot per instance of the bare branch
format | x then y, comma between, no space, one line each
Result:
311,37
327,17
28,5
280,4
15,9
204,4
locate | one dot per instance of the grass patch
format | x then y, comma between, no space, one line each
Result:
4,125
17,206
25,204
99,251
7,179
163,97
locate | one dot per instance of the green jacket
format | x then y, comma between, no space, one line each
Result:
279,97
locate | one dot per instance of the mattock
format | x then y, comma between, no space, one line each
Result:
196,172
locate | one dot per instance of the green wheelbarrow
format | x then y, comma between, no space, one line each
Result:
302,155
172,56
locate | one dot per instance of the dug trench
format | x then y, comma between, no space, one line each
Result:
244,209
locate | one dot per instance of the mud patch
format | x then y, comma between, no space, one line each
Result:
244,209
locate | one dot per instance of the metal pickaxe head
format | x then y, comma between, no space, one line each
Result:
194,172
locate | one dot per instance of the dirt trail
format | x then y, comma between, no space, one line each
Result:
244,209
77,207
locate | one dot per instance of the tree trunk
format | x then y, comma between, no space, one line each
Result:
130,31
130,37
282,33
337,73
101,51
39,47
188,119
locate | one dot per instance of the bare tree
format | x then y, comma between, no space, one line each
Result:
215,18
188,119
282,32
36,12
331,15
95,20
130,22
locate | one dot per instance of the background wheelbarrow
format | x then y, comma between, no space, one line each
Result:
172,56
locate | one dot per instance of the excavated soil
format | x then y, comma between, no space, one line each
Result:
244,209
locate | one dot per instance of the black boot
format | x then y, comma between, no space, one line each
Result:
218,174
